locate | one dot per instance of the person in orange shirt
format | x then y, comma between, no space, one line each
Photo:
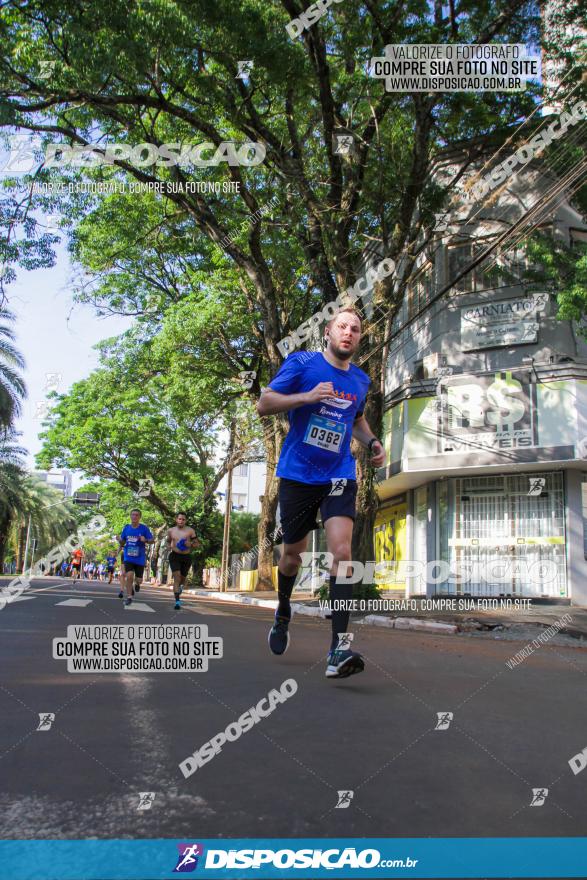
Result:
76,563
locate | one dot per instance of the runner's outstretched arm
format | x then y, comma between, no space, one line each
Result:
272,402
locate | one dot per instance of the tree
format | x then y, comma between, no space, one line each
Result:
564,269
12,387
24,498
243,532
11,476
116,502
52,518
166,72
151,412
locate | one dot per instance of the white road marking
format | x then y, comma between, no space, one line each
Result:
78,603
139,606
206,612
46,589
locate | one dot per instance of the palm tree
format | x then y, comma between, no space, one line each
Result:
24,496
51,516
11,476
12,387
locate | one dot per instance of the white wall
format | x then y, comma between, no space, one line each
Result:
247,489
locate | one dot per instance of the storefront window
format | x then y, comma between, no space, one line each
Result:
507,536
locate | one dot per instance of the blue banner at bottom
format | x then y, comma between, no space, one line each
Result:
454,857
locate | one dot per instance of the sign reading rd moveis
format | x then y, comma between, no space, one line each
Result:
485,412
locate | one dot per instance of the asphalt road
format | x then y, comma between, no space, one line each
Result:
117,735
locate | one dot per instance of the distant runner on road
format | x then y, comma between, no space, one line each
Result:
324,395
110,566
76,563
133,540
180,540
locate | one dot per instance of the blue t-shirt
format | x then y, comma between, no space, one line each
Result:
134,550
111,561
317,448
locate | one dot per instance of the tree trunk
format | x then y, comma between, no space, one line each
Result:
5,522
362,549
21,546
158,546
274,431
367,501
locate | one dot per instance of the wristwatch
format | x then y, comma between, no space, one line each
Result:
371,442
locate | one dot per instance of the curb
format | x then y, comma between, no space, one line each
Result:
410,623
414,624
236,599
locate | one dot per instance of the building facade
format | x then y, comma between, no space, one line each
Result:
248,485
485,492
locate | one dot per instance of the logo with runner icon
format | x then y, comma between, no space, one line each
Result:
189,854
46,720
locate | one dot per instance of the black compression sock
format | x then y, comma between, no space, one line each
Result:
340,617
285,585
177,595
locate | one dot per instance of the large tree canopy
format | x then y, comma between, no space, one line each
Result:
166,73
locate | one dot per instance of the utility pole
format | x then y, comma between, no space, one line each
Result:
26,546
224,566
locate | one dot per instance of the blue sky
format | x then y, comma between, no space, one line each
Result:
55,337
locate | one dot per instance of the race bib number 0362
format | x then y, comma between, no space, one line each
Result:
325,434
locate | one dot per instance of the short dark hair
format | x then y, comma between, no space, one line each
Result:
341,311
181,513
136,510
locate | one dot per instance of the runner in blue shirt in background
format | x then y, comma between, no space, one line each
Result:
110,566
133,540
324,395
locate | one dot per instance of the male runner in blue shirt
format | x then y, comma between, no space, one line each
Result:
133,539
324,396
110,566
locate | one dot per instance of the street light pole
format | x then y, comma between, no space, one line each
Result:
226,538
227,512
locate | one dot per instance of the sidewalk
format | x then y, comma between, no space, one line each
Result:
409,614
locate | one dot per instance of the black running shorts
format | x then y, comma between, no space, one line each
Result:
134,566
180,562
299,503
